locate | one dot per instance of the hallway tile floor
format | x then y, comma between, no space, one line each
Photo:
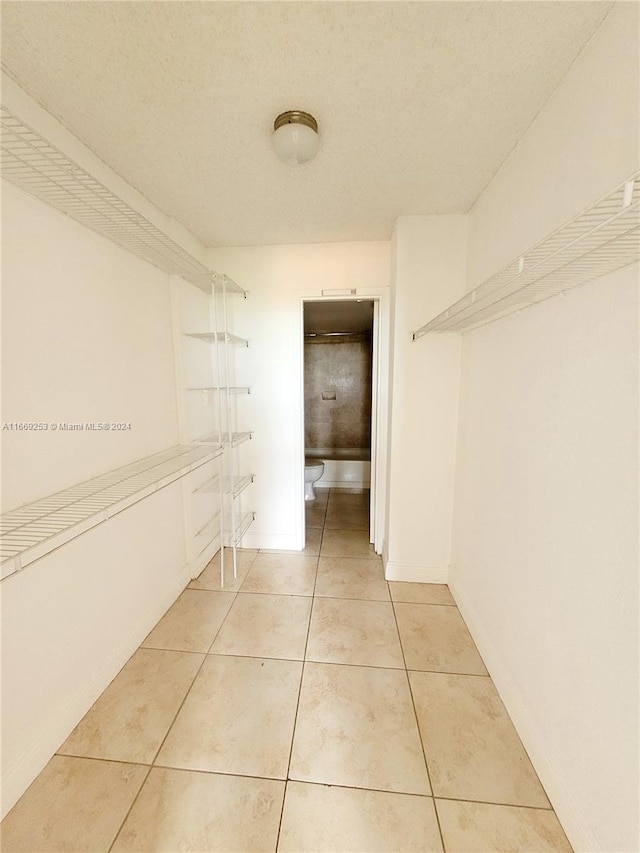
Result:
308,706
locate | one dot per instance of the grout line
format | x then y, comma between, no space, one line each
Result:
199,670
415,714
98,758
304,656
134,801
495,803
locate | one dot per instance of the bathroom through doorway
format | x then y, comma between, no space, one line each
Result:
340,373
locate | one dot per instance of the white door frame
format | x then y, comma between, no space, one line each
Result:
380,377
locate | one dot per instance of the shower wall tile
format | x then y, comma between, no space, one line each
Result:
342,368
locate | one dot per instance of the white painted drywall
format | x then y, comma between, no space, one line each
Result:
277,278
429,274
580,146
86,334
545,566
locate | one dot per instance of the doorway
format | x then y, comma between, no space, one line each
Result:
340,374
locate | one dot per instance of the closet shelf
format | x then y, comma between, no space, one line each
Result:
229,486
600,240
215,337
33,164
34,530
213,524
235,390
233,440
235,534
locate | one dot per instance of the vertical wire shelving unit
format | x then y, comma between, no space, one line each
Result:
229,523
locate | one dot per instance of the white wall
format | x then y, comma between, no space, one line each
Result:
277,277
86,333
545,566
429,274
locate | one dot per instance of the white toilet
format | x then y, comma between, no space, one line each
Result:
313,470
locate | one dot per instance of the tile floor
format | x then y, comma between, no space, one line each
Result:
308,706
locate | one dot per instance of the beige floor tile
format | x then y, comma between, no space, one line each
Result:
210,577
192,623
238,718
356,727
354,632
351,518
482,828
346,543
283,574
314,514
74,804
322,496
421,593
132,716
351,578
435,638
372,821
267,626
313,538
472,748
184,810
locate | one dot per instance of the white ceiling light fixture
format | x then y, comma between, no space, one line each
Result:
295,137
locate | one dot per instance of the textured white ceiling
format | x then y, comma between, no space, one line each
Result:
418,103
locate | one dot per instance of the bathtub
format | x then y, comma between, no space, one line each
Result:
343,467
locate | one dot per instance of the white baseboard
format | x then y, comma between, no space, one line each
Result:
23,770
343,484
415,572
578,832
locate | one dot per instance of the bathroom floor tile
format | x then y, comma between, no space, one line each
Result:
360,821
192,623
322,495
420,593
351,578
484,828
74,804
346,518
132,716
314,514
267,626
354,632
313,538
435,638
346,543
472,749
356,727
210,577
238,718
284,574
184,810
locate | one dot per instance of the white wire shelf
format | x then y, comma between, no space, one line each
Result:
34,530
234,536
213,439
603,238
232,391
32,163
211,526
229,485
218,337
